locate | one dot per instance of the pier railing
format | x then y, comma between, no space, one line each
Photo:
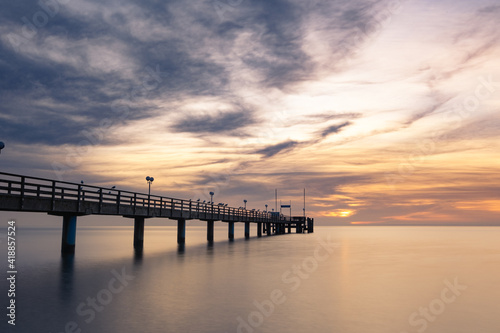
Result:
70,200
84,196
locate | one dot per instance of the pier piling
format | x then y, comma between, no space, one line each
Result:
138,233
230,230
210,231
68,234
181,231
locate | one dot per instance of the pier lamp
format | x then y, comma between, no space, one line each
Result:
212,197
2,146
149,180
266,207
245,201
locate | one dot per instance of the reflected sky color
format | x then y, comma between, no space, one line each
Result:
362,280
387,111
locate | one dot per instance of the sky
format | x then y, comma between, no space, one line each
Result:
386,112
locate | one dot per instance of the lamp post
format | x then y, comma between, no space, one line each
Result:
266,208
245,201
2,146
212,197
149,180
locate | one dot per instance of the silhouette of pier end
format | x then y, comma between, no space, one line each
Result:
71,200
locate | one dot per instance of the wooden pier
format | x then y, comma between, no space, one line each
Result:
70,200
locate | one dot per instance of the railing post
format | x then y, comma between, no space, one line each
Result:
135,203
53,195
22,186
100,200
22,192
118,201
149,199
161,205
78,197
23,179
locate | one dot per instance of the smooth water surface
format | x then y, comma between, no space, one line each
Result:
339,279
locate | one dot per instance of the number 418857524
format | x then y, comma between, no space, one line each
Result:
11,243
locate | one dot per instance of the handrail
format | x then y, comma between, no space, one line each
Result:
27,186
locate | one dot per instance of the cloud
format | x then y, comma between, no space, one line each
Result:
220,123
278,148
147,69
69,72
334,129
329,116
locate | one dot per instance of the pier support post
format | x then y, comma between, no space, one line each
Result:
299,227
210,231
247,230
289,228
138,233
181,231
259,229
230,230
68,234
268,228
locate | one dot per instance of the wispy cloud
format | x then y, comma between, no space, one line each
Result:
334,129
278,148
231,123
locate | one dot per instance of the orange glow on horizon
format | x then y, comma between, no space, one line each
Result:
341,213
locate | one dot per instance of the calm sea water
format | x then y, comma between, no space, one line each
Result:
339,279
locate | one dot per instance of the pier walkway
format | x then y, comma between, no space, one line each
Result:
70,200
